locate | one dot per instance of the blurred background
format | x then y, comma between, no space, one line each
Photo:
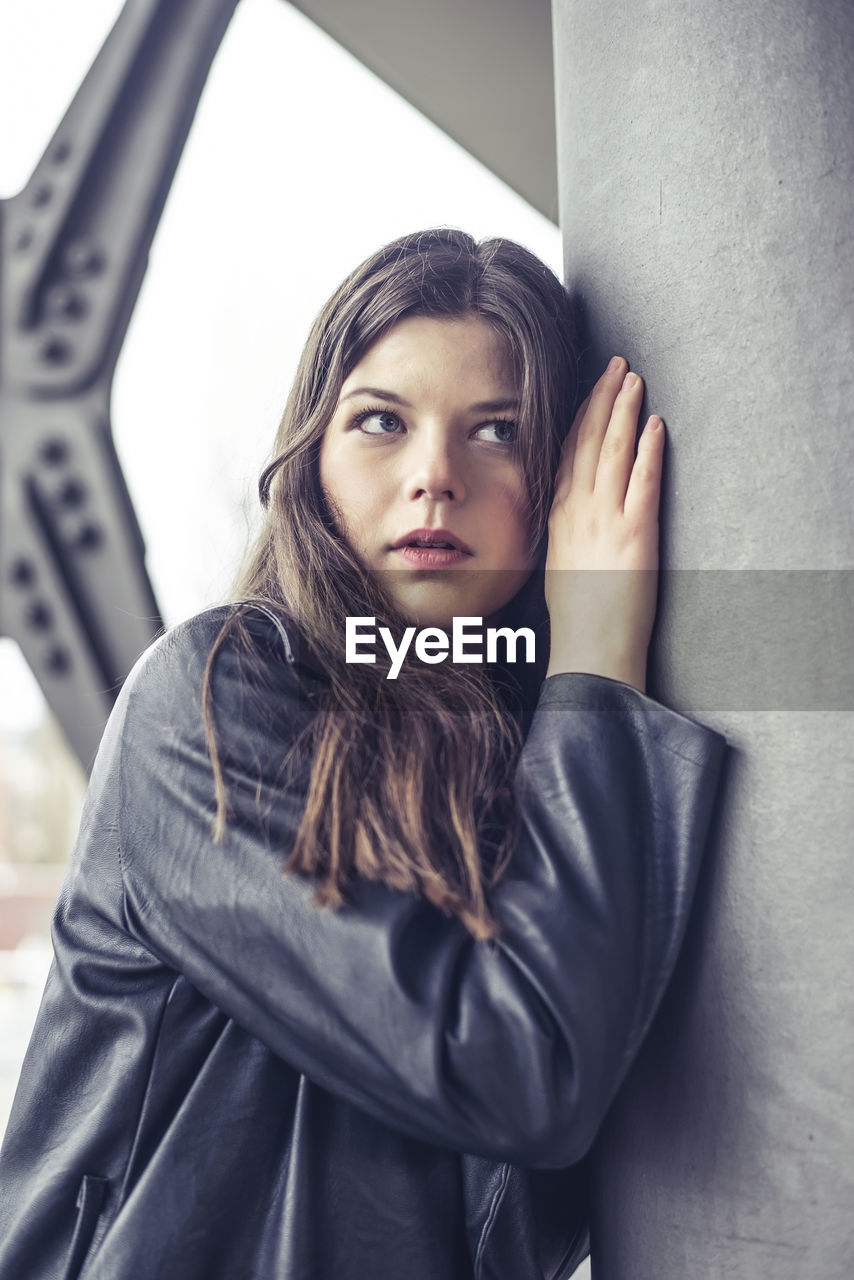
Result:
299,163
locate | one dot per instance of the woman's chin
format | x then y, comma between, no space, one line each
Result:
434,599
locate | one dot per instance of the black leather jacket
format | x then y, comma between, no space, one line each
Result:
228,1083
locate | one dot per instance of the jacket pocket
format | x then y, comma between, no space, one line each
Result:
90,1201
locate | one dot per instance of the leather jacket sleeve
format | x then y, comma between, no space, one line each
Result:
511,1049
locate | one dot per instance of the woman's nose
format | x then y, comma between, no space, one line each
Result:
435,469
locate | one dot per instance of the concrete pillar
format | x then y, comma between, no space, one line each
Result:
705,168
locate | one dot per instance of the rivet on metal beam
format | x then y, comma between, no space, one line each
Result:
61,152
71,494
24,240
82,259
60,302
56,351
42,195
22,572
58,661
54,452
39,616
90,537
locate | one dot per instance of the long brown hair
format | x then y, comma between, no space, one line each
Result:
410,780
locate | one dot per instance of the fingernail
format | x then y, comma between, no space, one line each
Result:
615,364
630,380
654,423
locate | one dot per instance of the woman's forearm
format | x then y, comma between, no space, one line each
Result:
511,1049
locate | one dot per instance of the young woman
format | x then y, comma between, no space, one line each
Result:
361,934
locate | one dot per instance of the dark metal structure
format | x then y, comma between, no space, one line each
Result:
74,592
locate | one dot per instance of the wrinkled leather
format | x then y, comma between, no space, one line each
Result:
226,1082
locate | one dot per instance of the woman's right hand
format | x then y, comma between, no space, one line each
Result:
602,559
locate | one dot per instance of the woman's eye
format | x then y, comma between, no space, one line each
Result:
502,432
378,422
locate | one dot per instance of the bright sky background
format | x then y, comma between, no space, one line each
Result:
299,164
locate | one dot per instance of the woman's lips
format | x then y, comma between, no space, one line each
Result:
431,557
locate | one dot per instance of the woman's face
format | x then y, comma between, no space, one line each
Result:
420,448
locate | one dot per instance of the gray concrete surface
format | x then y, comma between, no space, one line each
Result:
705,157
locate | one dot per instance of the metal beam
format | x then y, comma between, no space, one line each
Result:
74,244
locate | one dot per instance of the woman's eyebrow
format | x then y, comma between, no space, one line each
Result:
378,394
482,406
